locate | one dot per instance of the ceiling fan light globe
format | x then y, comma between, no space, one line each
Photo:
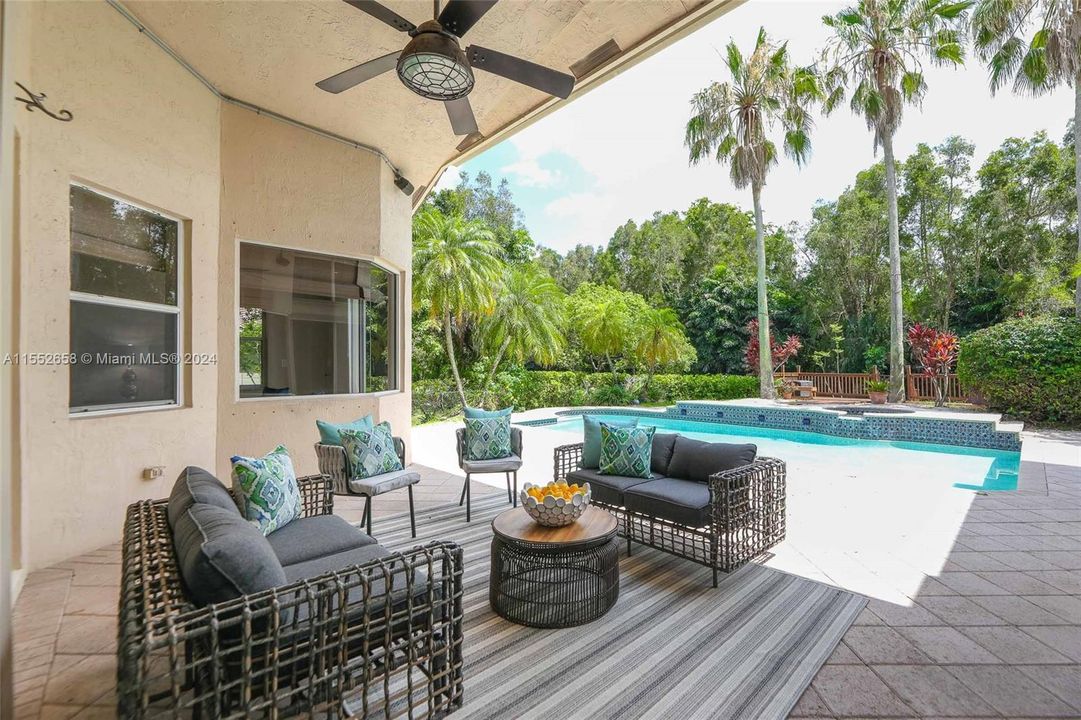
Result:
433,66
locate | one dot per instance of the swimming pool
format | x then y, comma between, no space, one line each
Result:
965,468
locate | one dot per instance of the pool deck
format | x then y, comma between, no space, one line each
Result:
975,600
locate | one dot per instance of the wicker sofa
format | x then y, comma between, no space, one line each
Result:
716,504
315,619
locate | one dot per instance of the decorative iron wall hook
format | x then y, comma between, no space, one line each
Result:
35,101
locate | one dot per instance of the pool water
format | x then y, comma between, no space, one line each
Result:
966,467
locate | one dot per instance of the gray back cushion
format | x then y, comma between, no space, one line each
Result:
222,556
697,460
195,485
663,444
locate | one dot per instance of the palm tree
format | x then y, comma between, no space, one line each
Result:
605,330
457,269
731,123
527,320
1049,58
661,342
876,48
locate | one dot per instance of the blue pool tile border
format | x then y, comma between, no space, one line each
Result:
895,427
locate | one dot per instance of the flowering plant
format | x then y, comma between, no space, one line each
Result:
936,351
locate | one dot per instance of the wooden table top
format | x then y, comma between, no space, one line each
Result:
515,524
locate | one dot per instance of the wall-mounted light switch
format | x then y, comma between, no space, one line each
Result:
153,472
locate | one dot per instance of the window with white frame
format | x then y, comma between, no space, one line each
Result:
125,304
312,324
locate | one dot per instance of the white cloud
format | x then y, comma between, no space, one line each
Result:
449,179
627,135
528,173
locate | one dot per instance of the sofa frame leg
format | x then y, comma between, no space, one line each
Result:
368,513
412,516
514,497
468,498
510,498
461,500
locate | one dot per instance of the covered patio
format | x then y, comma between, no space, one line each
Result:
205,249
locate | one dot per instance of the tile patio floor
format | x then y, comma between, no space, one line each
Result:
975,611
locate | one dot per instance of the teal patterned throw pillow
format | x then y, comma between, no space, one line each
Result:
487,438
267,489
626,451
370,452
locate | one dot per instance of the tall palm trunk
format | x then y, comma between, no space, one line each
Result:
495,366
1077,184
449,337
765,358
897,323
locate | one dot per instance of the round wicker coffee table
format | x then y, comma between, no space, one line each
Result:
554,577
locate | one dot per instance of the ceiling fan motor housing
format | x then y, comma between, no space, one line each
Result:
434,66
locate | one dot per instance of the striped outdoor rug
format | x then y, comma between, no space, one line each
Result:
672,647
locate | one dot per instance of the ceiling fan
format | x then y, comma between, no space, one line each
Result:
434,66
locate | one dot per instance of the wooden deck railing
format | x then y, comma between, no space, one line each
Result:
919,386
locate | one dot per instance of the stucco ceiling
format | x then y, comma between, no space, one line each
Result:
271,54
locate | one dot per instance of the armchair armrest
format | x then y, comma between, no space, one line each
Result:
751,497
332,463
516,441
316,495
459,436
567,459
399,447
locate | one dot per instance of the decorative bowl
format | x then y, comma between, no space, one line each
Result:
559,504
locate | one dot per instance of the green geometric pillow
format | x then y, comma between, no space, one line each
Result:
370,452
626,451
267,489
487,438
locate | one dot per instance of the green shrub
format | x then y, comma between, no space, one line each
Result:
528,389
1028,367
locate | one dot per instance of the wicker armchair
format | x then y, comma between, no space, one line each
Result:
337,645
746,513
333,464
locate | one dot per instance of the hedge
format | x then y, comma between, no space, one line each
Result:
1027,367
530,389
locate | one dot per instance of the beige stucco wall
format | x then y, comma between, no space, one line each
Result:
147,131
144,129
285,186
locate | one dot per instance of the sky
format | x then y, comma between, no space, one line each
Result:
617,152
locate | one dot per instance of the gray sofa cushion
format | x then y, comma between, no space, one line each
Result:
697,460
308,538
344,561
663,444
385,482
510,463
607,489
222,556
682,501
332,562
195,485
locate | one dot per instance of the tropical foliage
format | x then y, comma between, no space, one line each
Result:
988,254
875,56
1029,367
731,123
1048,58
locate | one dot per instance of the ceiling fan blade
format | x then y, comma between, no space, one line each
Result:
460,15
522,71
387,15
356,75
461,116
